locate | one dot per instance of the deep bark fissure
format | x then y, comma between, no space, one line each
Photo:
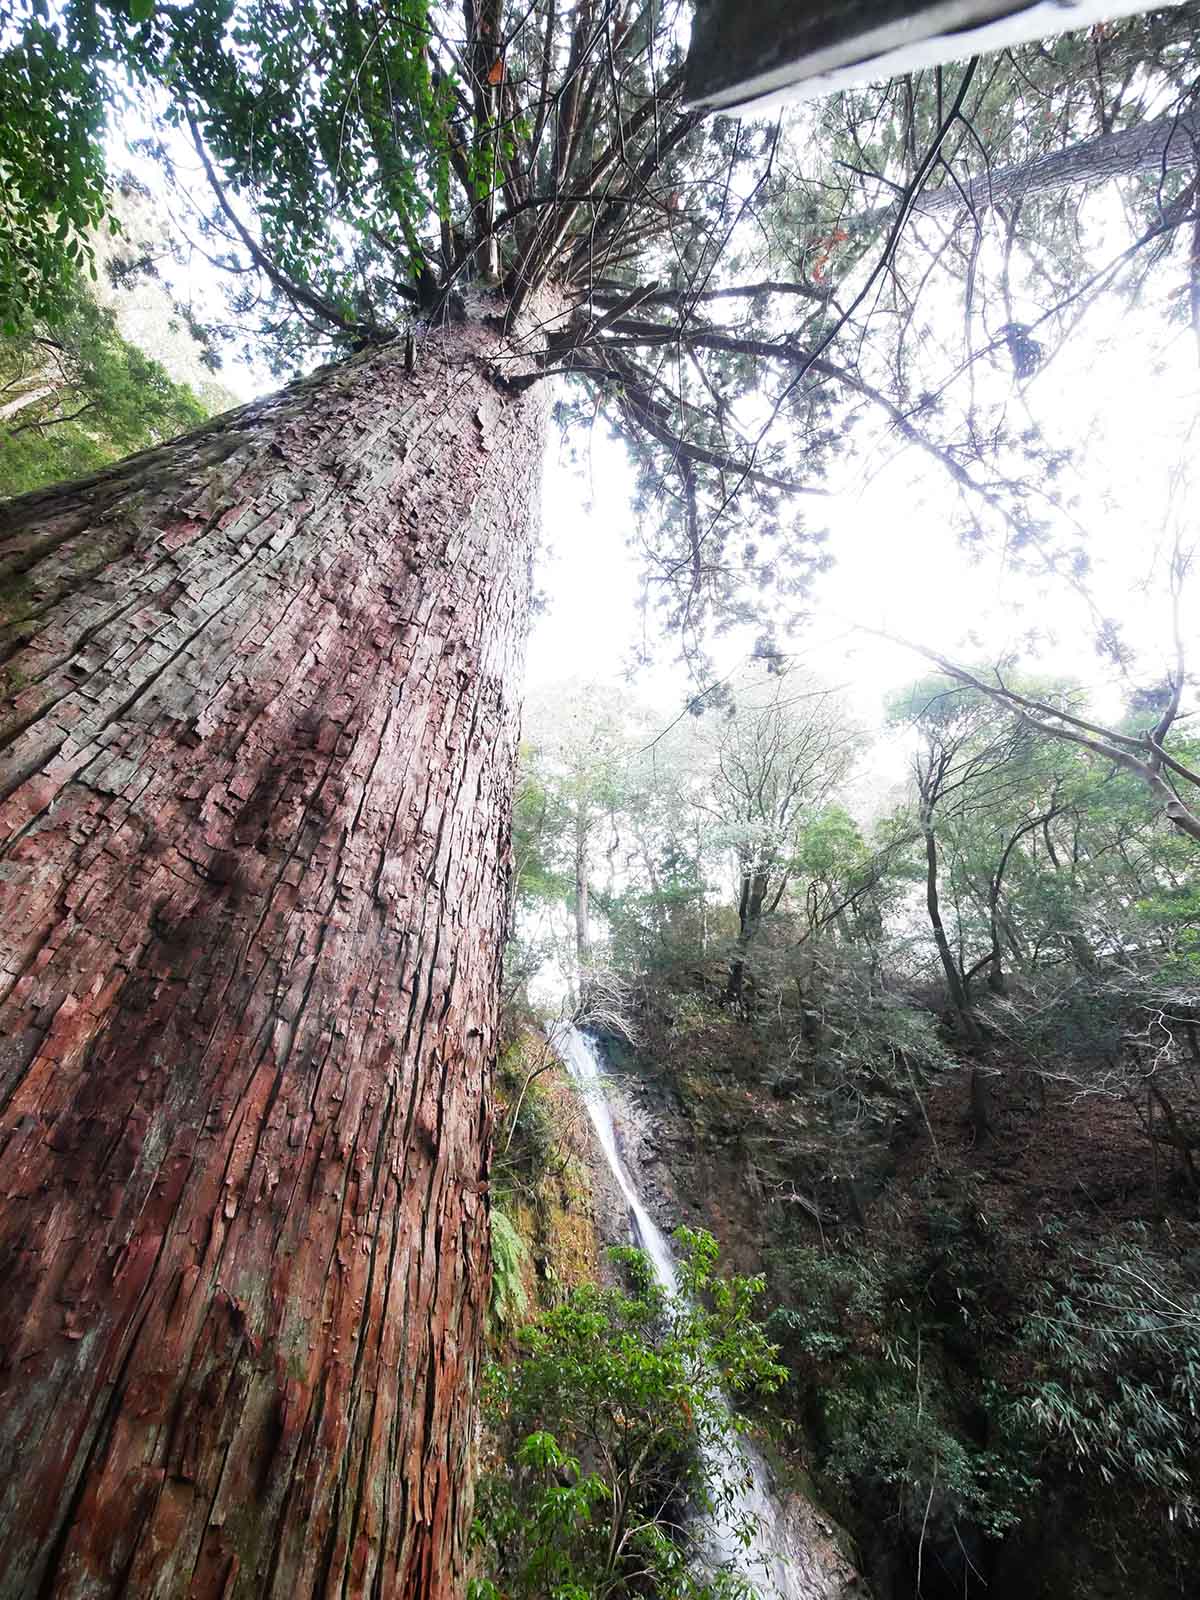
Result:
260,744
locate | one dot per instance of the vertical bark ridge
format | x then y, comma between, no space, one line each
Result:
256,762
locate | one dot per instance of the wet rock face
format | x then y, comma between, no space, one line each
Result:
694,1169
679,1184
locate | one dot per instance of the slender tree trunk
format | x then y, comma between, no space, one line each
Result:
583,933
996,980
959,998
751,897
1162,145
1157,146
255,777
1176,1136
933,905
808,995
27,398
1080,947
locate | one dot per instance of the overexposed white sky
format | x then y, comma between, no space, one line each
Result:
898,566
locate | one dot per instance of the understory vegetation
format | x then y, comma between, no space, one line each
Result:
611,1434
958,1386
931,1064
75,395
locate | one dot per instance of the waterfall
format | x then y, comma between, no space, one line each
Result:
764,1563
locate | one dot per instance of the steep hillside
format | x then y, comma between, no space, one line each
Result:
590,1354
993,1347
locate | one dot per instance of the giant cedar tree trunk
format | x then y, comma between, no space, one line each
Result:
254,804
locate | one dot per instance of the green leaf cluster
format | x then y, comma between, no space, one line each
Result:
614,1428
509,1300
58,78
866,1336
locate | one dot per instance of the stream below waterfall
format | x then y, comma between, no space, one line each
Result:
764,1563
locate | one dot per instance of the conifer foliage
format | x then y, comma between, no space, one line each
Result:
708,284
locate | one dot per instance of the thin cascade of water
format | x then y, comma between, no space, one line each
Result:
763,1562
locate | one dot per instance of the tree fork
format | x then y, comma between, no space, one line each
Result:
256,760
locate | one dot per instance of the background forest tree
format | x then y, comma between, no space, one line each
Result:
76,395
261,683
1011,884
959,1130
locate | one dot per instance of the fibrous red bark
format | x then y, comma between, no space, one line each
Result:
255,772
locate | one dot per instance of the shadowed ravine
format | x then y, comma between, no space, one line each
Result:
768,1562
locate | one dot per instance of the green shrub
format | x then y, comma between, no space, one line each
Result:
606,1422
1114,1386
893,1437
875,1344
944,1387
866,1050
693,1011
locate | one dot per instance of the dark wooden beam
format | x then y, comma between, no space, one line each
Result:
757,52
